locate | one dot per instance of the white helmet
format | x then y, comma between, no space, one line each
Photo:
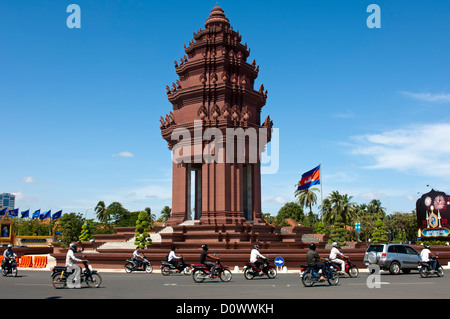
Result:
335,244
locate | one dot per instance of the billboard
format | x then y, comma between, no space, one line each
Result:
433,213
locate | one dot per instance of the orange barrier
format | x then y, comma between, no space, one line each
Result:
1,258
40,262
26,261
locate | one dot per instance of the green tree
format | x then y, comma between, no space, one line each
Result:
338,232
143,227
321,229
70,227
268,218
165,214
379,234
101,212
307,197
117,213
374,208
85,235
290,210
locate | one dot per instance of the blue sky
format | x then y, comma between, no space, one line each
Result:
80,107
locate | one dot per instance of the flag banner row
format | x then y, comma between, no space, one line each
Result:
36,215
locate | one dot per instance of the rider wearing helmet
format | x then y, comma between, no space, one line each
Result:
73,281
312,258
8,253
425,256
210,265
335,257
254,256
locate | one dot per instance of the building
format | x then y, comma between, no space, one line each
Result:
7,200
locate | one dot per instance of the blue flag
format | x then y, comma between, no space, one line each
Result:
36,214
13,213
57,215
45,215
3,211
25,214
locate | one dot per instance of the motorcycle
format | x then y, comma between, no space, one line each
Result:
251,270
310,276
201,272
9,266
350,268
426,268
88,275
131,266
167,268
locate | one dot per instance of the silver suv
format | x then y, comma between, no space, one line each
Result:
392,257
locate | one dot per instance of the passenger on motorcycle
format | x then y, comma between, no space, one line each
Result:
137,258
425,256
312,258
8,253
172,258
336,257
255,255
210,265
73,281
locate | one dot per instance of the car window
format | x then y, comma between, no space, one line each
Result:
375,248
411,250
401,249
392,249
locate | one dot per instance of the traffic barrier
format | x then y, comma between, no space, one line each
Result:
1,258
40,262
26,261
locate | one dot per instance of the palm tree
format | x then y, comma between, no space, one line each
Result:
348,208
307,197
327,213
376,210
100,210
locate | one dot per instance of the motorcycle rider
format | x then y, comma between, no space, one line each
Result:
255,255
7,254
73,281
137,258
312,258
337,257
172,258
210,265
425,256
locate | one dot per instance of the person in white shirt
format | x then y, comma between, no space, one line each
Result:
73,281
137,258
172,258
335,257
425,256
254,257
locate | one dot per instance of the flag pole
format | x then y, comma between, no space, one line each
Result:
321,193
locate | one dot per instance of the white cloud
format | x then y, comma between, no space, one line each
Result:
428,97
28,180
423,149
123,154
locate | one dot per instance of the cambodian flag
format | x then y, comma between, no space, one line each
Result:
309,179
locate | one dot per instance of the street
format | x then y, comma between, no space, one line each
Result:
37,285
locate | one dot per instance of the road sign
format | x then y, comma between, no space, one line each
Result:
279,261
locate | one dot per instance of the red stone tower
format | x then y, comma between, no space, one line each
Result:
214,96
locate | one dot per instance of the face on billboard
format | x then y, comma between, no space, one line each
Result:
433,213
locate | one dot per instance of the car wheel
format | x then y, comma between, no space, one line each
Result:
395,268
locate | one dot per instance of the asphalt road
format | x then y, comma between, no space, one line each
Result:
37,285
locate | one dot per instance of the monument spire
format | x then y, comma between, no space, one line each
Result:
215,90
